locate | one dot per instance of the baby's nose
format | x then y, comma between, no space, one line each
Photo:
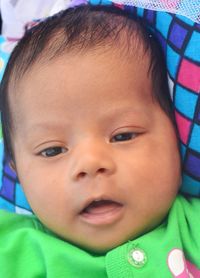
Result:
92,161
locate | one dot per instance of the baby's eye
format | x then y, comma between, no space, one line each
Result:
123,137
53,151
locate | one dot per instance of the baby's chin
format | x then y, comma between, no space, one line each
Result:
101,246
98,248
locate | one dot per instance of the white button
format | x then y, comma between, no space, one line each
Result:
137,257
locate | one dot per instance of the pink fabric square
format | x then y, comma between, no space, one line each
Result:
189,75
183,125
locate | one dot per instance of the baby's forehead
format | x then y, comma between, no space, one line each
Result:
86,68
132,51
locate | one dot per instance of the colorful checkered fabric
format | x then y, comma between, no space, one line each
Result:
179,37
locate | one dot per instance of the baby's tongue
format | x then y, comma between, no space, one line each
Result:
99,207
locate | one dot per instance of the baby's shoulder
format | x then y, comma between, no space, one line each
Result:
184,220
187,206
11,222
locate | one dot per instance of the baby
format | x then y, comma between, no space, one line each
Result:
88,126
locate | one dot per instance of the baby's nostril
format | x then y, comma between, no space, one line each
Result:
101,170
98,171
81,175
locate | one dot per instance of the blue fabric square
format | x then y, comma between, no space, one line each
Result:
163,22
177,35
4,56
182,151
185,19
197,112
9,171
173,61
1,166
185,101
100,2
162,41
192,184
2,39
150,16
198,116
140,12
192,51
195,138
3,61
7,205
21,200
8,189
192,165
1,151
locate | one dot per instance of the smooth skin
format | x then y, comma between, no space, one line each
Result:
87,131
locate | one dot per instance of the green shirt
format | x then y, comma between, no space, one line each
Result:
28,249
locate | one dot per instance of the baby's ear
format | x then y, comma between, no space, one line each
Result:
12,165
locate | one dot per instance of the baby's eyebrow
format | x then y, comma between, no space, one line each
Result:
109,115
126,112
44,126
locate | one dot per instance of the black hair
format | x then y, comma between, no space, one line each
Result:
80,29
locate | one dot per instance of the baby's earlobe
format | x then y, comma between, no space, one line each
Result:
12,165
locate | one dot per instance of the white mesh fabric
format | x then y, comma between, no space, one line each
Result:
188,8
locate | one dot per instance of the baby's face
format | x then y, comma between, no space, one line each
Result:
97,158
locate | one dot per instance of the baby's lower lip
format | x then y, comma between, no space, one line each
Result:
104,214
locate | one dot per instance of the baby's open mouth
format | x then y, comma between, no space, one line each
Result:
101,206
101,211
